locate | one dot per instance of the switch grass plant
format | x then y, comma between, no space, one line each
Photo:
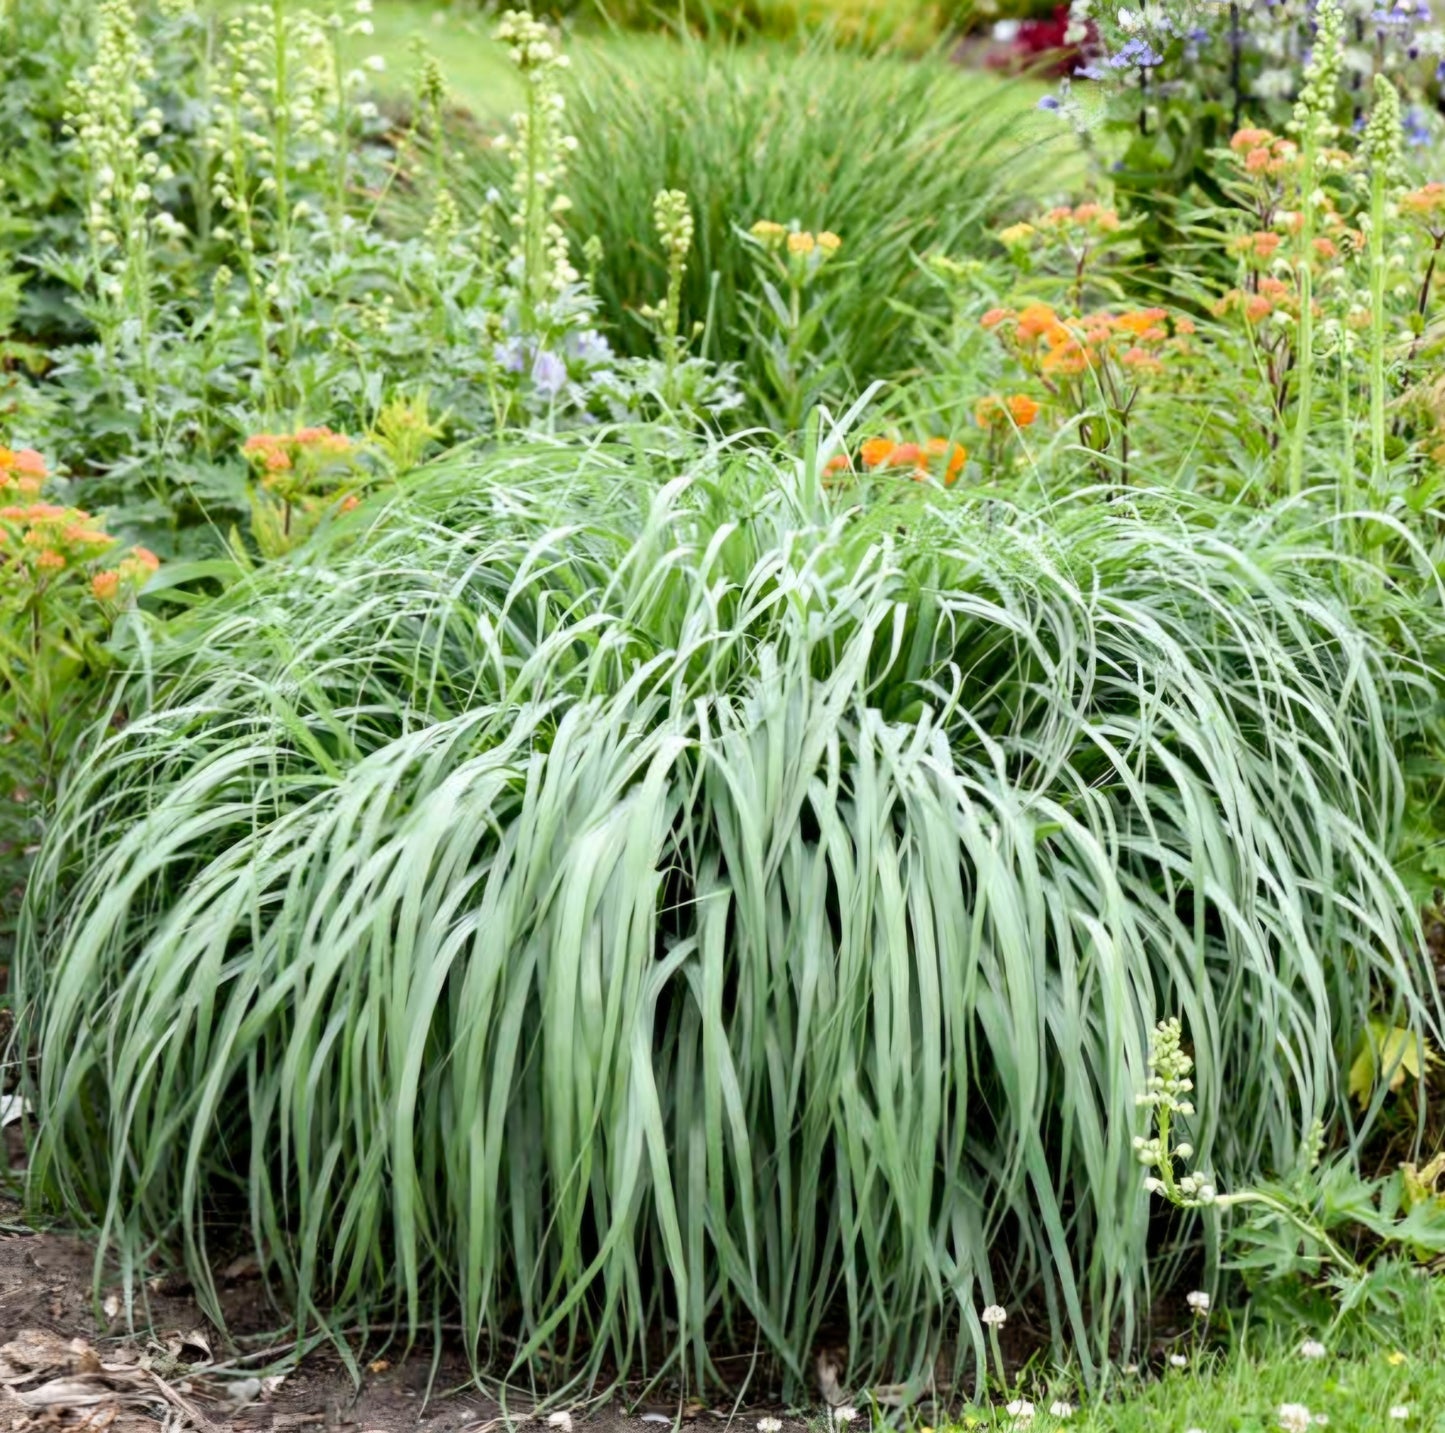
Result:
642,908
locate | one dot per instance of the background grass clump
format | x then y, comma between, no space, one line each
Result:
900,159
588,893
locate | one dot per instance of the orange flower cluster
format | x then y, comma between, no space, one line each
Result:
936,457
21,472
1069,226
1427,203
1271,296
1259,247
1018,410
1139,339
313,448
1263,153
303,476
42,542
1083,216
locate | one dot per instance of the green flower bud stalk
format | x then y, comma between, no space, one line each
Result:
673,219
1313,126
111,125
540,255
1383,145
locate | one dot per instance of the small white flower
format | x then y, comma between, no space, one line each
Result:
1020,1410
994,1316
375,63
560,1420
1131,1369
1178,1360
1294,1418
1320,1420
362,7
1312,1348
1399,1413
1198,1302
1061,1410
845,1414
770,1425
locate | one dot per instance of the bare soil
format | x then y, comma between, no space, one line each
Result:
46,1284
112,1381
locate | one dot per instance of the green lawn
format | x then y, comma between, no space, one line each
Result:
460,38
1358,1384
1386,1374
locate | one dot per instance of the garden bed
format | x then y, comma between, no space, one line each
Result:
771,732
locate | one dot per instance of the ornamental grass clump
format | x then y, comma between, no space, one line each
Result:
639,910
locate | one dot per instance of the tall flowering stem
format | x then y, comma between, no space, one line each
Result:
111,126
541,260
1383,142
1166,1092
1314,127
673,218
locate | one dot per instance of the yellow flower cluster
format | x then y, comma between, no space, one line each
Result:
800,243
